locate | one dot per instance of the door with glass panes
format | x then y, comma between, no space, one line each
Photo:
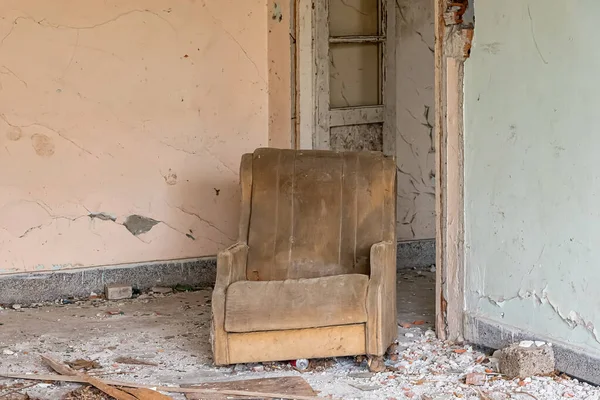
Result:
353,60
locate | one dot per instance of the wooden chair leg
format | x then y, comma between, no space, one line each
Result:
376,364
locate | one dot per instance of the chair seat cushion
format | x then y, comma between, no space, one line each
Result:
252,306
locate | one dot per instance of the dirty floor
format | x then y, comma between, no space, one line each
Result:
170,333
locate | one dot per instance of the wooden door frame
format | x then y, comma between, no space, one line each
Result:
308,133
452,47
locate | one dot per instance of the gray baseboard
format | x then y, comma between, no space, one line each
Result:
37,287
79,283
572,360
416,254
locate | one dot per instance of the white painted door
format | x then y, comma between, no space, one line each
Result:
353,59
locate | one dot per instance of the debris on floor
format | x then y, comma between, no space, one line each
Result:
169,334
527,358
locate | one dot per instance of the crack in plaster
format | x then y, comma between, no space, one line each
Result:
220,24
57,132
7,71
572,320
205,221
399,8
194,153
533,36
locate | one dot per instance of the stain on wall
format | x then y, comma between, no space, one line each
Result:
414,117
111,109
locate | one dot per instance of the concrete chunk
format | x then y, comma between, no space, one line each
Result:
517,361
116,291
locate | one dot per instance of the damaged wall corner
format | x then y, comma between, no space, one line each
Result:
528,257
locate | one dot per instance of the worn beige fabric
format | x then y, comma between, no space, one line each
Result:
296,303
314,270
317,213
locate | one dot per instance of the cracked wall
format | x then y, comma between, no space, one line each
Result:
415,149
115,112
531,182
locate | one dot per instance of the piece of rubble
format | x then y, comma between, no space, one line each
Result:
116,291
161,290
475,379
517,361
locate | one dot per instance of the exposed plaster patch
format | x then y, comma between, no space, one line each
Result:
573,319
137,224
103,216
43,145
277,14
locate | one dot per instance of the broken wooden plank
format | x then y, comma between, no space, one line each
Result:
97,383
79,379
146,394
291,385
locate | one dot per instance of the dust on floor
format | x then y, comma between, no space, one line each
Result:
169,335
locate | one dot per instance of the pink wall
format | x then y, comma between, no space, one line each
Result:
126,107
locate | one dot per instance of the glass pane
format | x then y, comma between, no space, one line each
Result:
354,74
353,17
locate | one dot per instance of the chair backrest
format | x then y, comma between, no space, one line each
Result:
308,214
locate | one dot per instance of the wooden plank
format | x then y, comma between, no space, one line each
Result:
356,39
146,394
334,341
79,379
291,385
355,116
388,79
97,383
305,85
440,215
454,200
322,89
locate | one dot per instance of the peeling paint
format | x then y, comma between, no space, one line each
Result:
277,14
103,216
573,318
137,224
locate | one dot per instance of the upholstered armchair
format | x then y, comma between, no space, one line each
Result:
314,272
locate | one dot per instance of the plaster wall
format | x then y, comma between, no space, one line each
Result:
415,149
532,186
112,109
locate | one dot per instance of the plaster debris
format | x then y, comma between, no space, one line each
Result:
118,291
173,338
526,343
525,361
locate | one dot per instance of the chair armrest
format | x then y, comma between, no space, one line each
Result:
382,327
231,267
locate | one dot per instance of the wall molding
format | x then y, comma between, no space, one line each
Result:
79,283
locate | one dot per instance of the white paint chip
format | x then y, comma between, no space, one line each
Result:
526,343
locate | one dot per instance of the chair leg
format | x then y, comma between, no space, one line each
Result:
376,364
